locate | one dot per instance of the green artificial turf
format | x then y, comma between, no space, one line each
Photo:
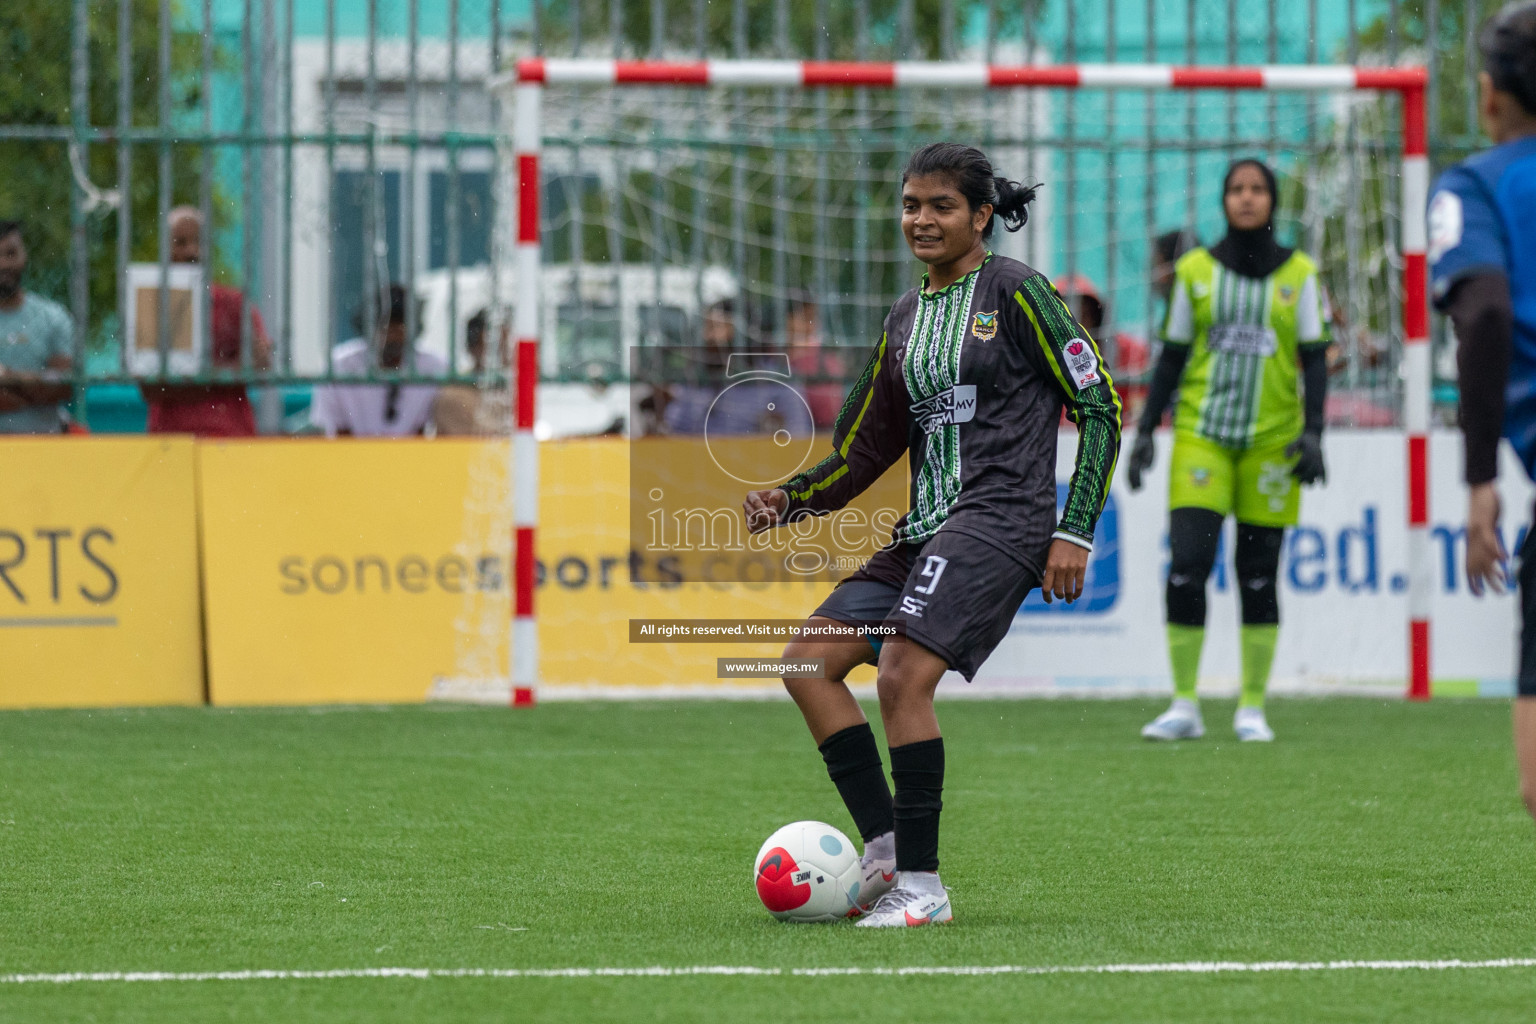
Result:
622,835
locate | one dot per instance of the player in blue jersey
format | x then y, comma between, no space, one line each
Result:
1482,251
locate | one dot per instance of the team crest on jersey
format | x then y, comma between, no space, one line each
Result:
952,405
1082,362
984,326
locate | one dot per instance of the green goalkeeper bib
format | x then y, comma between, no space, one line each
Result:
1239,387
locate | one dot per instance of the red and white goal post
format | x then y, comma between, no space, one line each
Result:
533,75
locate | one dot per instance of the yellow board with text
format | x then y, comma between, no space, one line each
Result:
99,573
378,571
354,570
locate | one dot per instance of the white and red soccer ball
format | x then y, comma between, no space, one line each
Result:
808,871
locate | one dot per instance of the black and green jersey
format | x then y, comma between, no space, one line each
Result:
970,382
1240,385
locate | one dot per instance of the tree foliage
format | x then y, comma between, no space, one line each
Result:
1454,132
36,40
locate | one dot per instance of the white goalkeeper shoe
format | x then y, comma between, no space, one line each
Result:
877,870
1250,726
918,899
1180,722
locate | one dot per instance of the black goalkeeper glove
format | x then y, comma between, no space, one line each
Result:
1142,454
1308,452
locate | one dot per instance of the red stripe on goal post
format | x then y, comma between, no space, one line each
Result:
528,197
531,69
527,381
1391,79
1063,76
525,575
1418,480
1419,671
1416,297
660,72
1415,130
1218,78
850,73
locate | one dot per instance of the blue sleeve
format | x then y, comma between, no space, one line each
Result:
1466,236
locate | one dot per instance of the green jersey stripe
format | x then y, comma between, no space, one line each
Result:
931,366
1096,409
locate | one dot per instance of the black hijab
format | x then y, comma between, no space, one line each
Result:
1251,252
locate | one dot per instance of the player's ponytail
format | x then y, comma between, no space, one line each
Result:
1012,204
1508,45
972,173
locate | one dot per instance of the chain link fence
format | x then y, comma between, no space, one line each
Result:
332,148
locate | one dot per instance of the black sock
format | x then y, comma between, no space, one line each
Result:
853,762
918,769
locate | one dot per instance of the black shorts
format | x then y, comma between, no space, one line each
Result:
1525,679
954,593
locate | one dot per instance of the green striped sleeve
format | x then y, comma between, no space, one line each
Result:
1083,380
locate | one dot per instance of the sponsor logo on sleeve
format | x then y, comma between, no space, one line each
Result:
1445,224
1082,363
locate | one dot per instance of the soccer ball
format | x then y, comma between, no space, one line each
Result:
808,871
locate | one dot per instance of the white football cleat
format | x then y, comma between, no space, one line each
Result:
1180,722
1250,726
877,876
905,907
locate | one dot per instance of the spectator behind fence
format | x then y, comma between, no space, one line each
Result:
36,339
684,396
210,410
820,371
731,390
378,410
469,410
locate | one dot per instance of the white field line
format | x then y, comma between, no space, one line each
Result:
457,692
1189,967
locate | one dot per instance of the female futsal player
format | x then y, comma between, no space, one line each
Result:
1243,316
969,379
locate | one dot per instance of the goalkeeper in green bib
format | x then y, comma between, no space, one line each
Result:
1244,346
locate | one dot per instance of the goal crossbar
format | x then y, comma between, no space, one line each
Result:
533,75
960,75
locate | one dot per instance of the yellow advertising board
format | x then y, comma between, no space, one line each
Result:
98,572
377,571
353,570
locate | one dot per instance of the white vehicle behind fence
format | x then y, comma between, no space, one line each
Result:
588,327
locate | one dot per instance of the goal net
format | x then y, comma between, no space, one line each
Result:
762,199
731,207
